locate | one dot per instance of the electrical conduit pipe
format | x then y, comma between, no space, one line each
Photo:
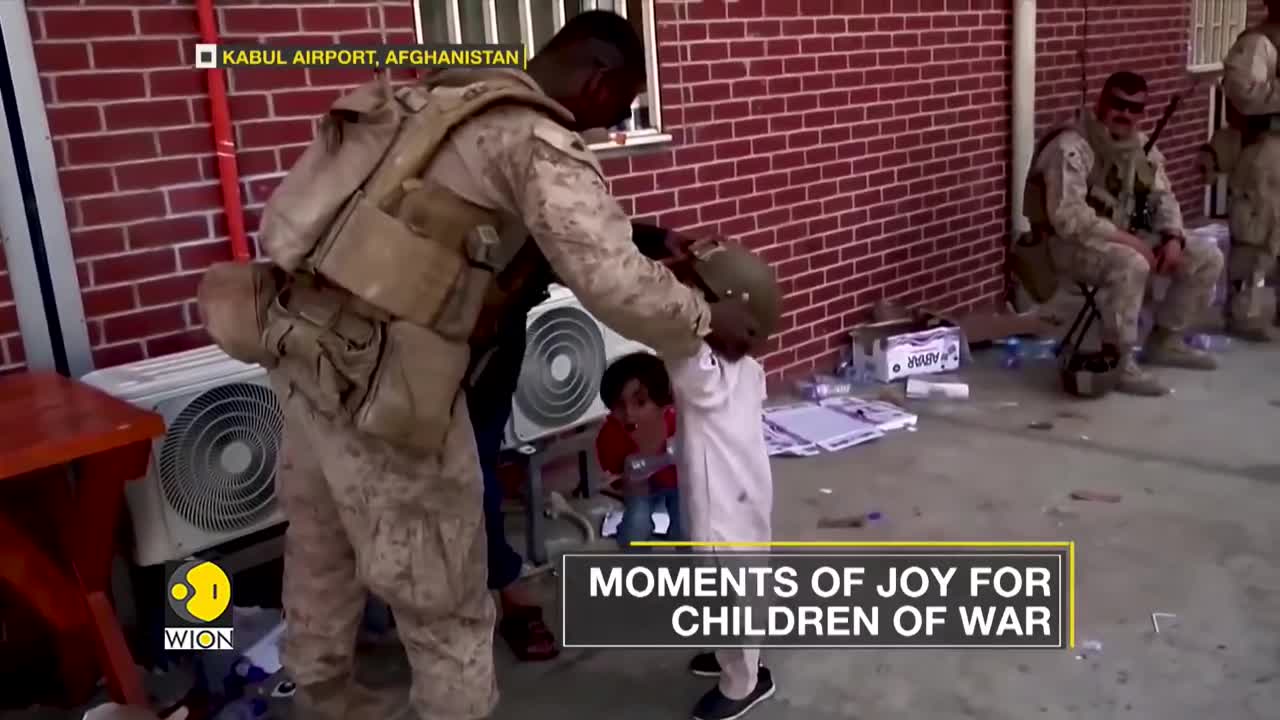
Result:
1023,112
224,146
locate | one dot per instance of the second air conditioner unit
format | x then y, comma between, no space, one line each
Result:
566,352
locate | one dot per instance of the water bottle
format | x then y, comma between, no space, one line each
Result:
1209,342
1018,351
641,467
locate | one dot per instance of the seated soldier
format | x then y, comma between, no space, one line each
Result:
1112,219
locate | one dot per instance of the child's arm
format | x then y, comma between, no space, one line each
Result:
611,446
698,381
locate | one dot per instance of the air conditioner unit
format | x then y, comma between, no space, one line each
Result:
566,352
212,474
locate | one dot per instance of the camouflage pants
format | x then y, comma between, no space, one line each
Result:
1255,226
1120,273
365,516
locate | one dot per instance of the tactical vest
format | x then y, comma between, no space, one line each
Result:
1104,186
378,278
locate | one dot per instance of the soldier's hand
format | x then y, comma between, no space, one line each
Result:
1170,256
734,330
1140,246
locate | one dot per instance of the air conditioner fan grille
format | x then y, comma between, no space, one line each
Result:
218,458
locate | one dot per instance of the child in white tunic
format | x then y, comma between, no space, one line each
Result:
726,485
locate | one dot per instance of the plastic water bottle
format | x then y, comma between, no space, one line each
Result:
1209,342
640,467
1018,351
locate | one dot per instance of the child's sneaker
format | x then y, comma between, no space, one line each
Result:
705,665
715,706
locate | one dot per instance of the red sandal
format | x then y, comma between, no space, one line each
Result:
528,636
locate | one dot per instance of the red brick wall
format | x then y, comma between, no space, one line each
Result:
861,145
11,354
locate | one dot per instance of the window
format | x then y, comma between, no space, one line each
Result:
532,23
1215,24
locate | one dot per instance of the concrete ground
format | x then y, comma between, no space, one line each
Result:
1195,534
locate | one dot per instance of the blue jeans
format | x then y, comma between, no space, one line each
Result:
489,403
637,518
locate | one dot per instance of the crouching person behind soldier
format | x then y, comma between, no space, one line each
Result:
385,238
1091,175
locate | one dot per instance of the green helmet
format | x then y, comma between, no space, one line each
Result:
729,270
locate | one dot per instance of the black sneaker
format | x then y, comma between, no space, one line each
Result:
715,706
705,665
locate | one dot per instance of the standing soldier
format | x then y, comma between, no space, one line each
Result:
1252,84
1092,190
386,237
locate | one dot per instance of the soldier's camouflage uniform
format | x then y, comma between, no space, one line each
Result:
1251,81
365,514
1081,251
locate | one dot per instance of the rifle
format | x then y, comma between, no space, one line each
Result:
1141,218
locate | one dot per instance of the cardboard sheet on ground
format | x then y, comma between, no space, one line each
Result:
885,416
825,427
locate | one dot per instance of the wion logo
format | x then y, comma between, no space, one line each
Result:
198,616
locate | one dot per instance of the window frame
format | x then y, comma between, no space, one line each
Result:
617,143
1204,14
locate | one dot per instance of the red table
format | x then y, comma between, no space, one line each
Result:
50,425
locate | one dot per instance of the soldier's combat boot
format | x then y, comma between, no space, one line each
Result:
1244,321
1171,350
1136,381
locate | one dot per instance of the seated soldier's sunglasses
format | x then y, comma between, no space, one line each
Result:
1129,106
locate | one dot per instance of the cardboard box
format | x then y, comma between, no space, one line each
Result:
897,349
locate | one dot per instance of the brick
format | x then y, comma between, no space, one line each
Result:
163,291
308,103
122,208
147,114
108,301
271,133
112,54
247,107
269,79
114,148
81,24
87,243
168,21
85,87
260,20
157,173
337,19
79,182
254,162
74,120
177,342
186,141
167,232
199,257
133,267
195,198
170,83
61,57
143,323
113,355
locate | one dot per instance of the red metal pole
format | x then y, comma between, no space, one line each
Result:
224,145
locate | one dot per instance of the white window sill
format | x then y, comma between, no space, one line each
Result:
634,143
1206,69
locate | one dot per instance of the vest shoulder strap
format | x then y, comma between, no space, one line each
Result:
434,115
